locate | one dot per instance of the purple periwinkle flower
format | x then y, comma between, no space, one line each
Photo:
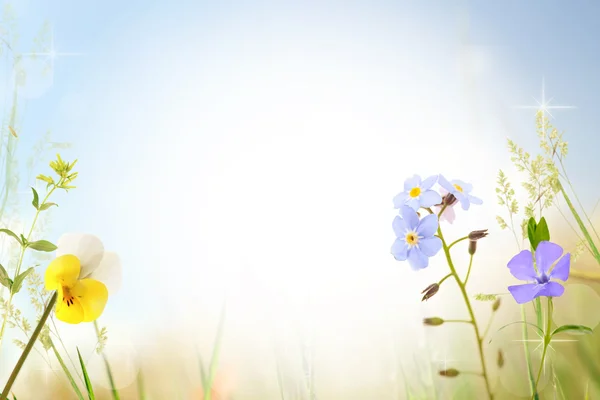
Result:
521,266
418,193
461,190
415,238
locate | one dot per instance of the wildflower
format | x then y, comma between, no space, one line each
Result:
415,240
521,266
473,238
81,273
418,193
461,190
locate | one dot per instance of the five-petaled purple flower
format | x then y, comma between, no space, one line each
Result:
461,190
521,266
415,238
418,193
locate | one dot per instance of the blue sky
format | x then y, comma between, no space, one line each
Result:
135,106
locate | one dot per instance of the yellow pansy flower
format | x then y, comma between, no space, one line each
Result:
84,275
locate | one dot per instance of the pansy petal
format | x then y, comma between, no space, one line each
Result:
400,199
70,313
562,268
417,259
429,198
466,187
400,250
62,271
525,293
410,217
411,183
428,225
109,272
399,226
552,289
443,182
546,254
413,203
474,200
88,248
92,296
521,266
429,182
430,246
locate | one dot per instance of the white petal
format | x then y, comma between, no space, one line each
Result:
88,248
109,272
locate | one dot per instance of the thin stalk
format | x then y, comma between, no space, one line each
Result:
469,270
465,321
469,309
546,343
113,388
443,279
28,347
20,263
457,241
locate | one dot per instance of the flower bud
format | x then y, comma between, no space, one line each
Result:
430,291
472,247
450,373
496,305
500,359
476,235
449,200
435,321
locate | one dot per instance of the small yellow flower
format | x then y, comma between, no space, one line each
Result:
81,273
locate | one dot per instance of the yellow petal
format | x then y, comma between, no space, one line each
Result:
62,271
92,295
70,313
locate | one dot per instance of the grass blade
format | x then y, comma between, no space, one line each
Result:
67,373
203,376
88,383
113,388
214,361
584,230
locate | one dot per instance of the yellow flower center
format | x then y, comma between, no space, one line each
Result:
460,189
414,192
68,298
412,238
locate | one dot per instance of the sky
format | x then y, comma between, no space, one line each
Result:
254,148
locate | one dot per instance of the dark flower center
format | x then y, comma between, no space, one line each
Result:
542,279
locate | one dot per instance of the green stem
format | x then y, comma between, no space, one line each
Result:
28,347
489,325
19,264
457,241
470,310
466,321
113,388
547,339
443,279
66,370
469,270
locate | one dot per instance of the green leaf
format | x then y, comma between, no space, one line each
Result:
541,232
531,225
42,245
36,199
4,278
16,286
573,328
46,206
11,233
88,383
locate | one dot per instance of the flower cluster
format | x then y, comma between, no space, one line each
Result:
416,239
